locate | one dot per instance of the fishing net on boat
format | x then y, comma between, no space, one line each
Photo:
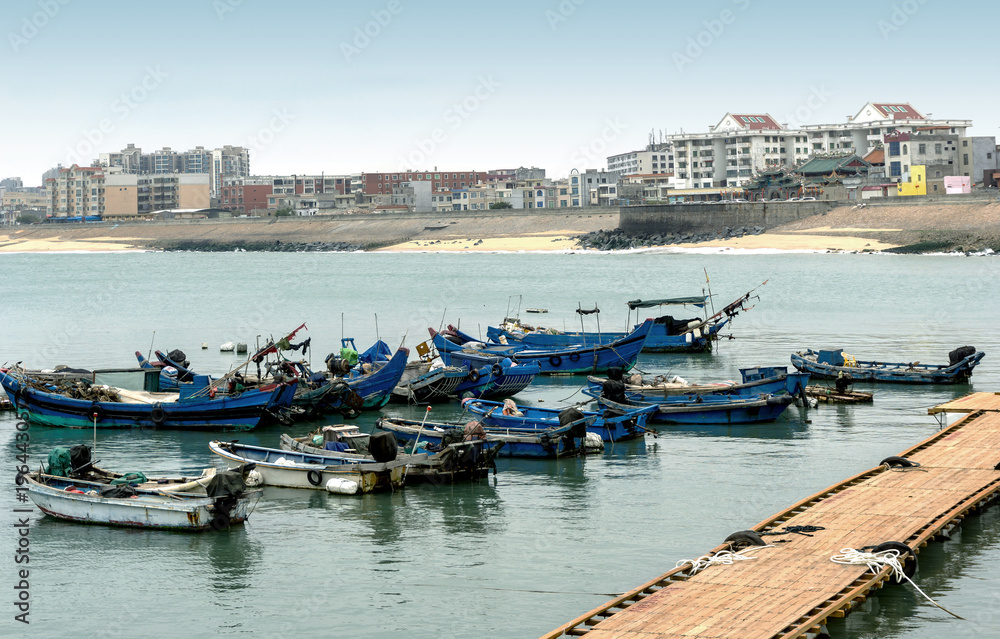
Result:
60,462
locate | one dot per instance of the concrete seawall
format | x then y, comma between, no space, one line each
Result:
707,218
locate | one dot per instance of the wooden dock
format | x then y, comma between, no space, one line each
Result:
792,588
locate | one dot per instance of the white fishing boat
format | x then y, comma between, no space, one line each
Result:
333,472
123,505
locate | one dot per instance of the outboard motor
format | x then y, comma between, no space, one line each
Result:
960,353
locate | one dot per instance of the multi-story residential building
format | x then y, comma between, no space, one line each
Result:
17,201
11,183
228,161
416,196
131,196
592,188
75,192
245,194
373,183
654,160
742,145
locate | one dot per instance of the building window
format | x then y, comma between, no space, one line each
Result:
965,158
905,151
894,169
893,148
937,148
922,148
965,143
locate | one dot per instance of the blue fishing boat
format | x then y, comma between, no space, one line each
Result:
703,409
366,386
611,426
455,346
568,440
496,381
757,380
200,405
667,335
426,381
831,364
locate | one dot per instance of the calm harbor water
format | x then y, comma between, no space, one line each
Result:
540,543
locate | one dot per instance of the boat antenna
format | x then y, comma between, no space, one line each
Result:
149,355
342,328
377,338
443,315
709,283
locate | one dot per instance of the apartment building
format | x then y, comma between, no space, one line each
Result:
75,192
131,196
245,194
219,164
649,161
374,183
742,145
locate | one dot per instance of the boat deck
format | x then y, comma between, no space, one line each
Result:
792,588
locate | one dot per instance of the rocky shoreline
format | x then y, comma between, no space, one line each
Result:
617,240
277,246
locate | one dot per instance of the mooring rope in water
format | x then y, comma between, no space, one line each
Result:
878,560
721,558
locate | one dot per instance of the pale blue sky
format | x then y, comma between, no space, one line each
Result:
462,85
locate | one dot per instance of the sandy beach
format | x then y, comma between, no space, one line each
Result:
846,228
9,244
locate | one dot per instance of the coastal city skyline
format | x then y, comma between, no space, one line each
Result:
337,90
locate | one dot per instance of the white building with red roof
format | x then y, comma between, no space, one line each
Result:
743,145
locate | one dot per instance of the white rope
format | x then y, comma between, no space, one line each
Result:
876,561
721,558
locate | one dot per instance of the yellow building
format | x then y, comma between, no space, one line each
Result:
917,184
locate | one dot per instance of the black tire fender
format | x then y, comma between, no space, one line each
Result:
496,370
907,557
555,361
473,376
221,521
574,357
157,415
895,461
744,538
315,477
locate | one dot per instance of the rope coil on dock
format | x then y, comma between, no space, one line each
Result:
878,560
721,558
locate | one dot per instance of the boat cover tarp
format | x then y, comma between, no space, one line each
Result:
695,300
226,484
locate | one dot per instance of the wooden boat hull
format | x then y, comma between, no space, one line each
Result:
535,444
496,381
886,372
559,361
184,512
456,463
704,410
244,412
369,477
630,425
657,341
829,395
434,385
763,380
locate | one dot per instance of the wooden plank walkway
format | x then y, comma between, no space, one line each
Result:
791,589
